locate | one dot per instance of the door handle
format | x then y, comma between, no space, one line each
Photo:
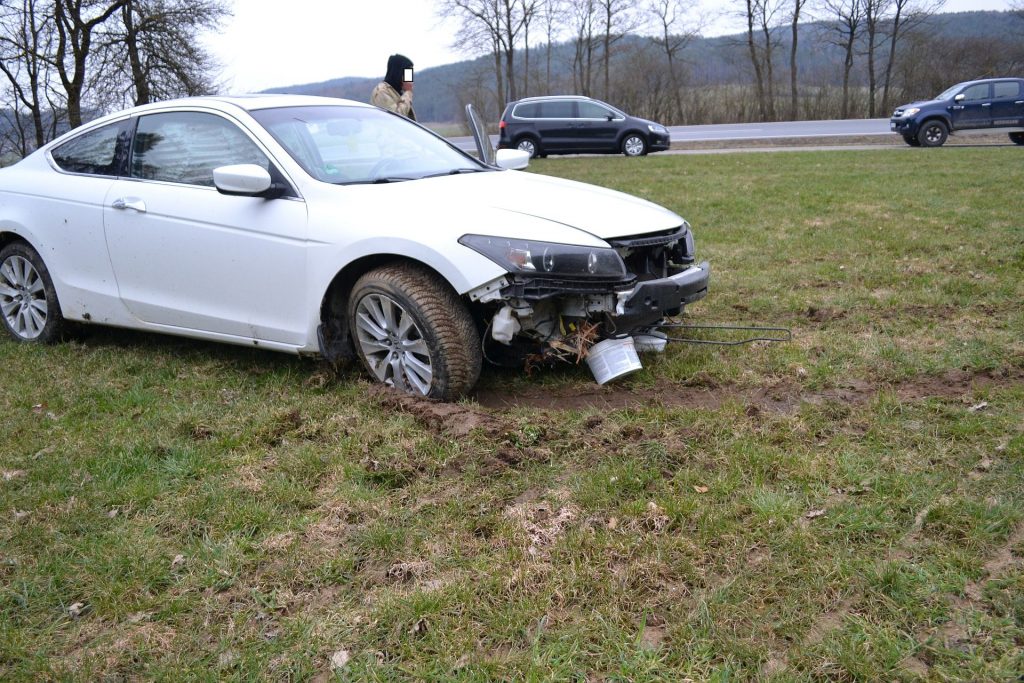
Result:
987,104
133,203
1019,102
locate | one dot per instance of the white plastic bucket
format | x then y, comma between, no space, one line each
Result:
613,358
650,341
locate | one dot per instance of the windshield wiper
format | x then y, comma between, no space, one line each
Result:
456,171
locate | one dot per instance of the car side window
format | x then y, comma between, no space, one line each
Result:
976,92
1005,90
98,152
185,147
527,111
589,110
559,109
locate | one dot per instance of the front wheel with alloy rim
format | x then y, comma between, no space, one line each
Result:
28,301
933,133
634,145
413,332
530,146
1017,138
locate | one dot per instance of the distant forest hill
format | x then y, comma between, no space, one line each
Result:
714,80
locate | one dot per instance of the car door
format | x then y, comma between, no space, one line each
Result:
974,108
598,130
557,125
188,257
1007,104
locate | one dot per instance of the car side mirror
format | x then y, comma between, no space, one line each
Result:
610,117
245,180
512,159
960,98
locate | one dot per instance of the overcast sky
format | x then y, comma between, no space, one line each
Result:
270,43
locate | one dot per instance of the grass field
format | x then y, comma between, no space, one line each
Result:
847,506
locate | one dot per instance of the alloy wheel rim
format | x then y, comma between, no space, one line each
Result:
634,146
527,146
933,134
393,345
22,297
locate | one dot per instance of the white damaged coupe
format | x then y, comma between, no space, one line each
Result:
331,228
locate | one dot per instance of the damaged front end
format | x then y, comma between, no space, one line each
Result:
559,300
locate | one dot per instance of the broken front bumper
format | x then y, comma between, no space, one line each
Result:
652,300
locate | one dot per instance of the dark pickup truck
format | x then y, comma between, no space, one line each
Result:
971,107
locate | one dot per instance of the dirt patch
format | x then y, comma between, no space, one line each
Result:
827,622
784,397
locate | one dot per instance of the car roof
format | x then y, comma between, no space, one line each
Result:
221,103
553,97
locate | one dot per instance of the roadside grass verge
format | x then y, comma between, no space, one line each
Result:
848,506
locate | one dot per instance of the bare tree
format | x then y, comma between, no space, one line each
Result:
674,33
553,15
530,9
77,20
797,6
25,35
160,40
906,14
479,32
875,12
617,19
583,15
848,18
760,16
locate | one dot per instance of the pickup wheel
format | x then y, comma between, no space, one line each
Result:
911,140
1017,138
933,133
413,332
28,301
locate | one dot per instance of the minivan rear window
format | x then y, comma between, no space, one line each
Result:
527,111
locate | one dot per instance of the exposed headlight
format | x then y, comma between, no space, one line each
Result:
547,259
911,111
657,128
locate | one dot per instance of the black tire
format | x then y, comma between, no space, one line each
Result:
933,133
1017,138
433,349
28,302
634,145
530,145
911,140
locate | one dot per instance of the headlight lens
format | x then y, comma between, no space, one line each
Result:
657,128
911,111
547,259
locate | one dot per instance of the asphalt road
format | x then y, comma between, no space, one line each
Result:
756,131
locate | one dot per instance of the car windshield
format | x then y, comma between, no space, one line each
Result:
949,92
347,145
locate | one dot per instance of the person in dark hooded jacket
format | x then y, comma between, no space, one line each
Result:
394,93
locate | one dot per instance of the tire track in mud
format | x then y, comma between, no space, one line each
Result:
783,397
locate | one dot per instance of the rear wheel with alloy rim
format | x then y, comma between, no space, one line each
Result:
28,301
413,332
530,146
933,133
634,145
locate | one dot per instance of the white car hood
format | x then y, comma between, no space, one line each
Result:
529,201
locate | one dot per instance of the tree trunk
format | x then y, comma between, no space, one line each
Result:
756,63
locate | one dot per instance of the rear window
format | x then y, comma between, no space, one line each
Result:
1006,89
98,152
527,111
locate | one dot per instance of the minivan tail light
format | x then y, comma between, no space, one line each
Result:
501,124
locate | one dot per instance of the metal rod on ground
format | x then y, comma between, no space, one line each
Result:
787,334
